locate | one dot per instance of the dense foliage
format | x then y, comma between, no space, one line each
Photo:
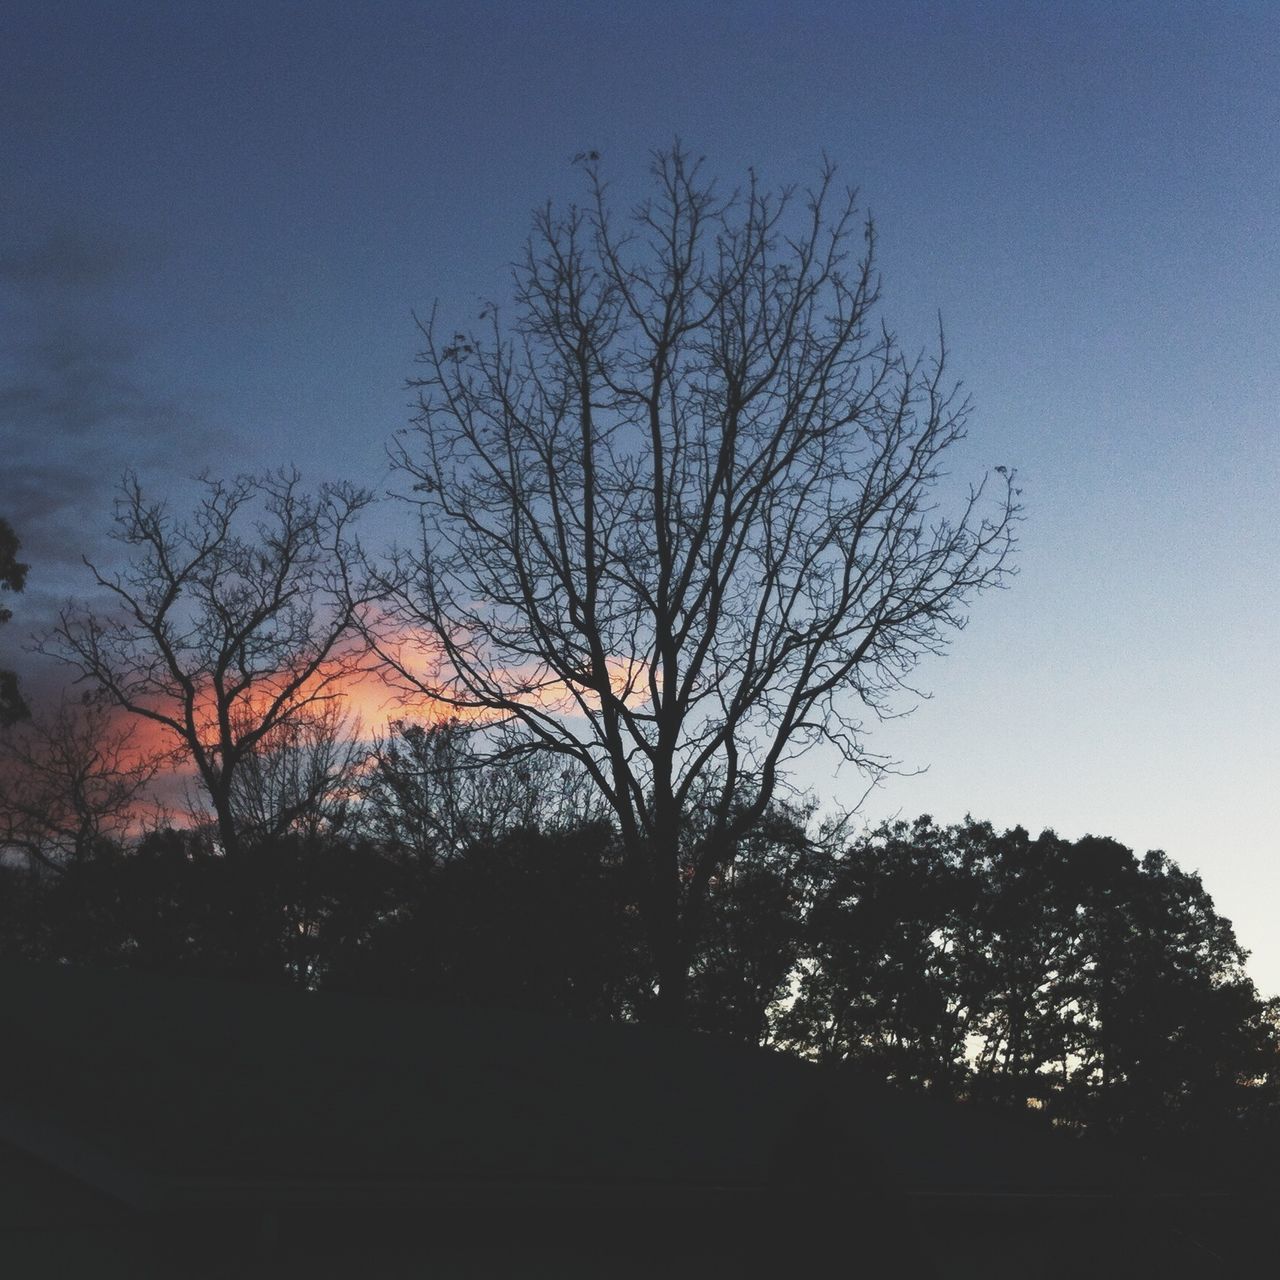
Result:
1072,977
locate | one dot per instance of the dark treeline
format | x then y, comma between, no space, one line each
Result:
1069,977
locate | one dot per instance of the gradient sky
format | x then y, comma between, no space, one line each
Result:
216,219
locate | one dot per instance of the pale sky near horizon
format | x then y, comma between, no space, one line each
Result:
216,220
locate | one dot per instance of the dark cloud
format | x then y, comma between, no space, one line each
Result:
70,380
66,352
76,410
56,506
74,260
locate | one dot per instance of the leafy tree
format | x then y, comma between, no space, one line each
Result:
678,517
230,627
883,981
757,910
13,577
526,919
293,912
1178,1028
1099,987
1020,957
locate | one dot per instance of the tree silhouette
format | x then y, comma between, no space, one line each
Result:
71,780
222,639
301,776
1073,977
525,919
13,577
428,795
1099,989
1178,1029
677,517
755,923
882,980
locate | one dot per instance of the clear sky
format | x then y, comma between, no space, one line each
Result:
216,219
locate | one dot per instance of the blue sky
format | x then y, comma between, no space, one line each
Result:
217,220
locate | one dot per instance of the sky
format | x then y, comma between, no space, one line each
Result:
217,221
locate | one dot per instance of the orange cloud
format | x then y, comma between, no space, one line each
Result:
367,694
533,685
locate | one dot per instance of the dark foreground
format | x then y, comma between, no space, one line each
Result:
161,1127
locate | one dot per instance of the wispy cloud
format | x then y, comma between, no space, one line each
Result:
75,261
75,410
76,406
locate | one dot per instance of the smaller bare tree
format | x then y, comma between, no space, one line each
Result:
231,626
301,777
430,794
72,780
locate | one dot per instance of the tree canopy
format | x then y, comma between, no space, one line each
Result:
1073,979
1070,976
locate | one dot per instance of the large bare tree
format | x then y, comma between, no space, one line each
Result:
677,515
228,627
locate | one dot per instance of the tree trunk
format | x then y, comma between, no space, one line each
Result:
671,1007
228,834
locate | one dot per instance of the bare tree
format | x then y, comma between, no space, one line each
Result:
676,516
230,626
428,794
301,777
73,779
